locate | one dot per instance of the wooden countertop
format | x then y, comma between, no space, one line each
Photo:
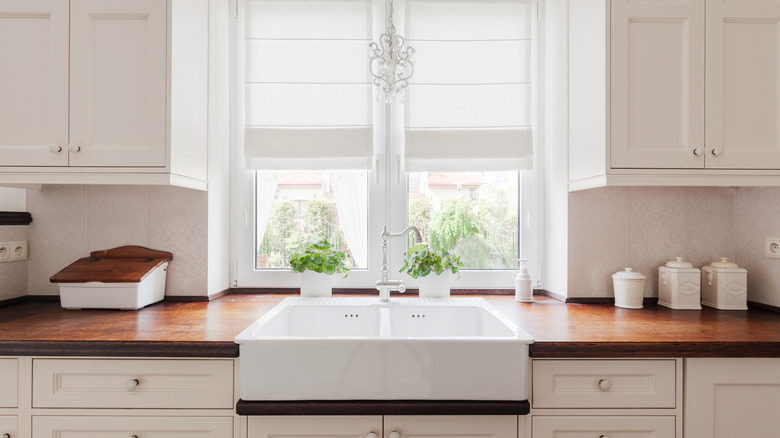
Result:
207,329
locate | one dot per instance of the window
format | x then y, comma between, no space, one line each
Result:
325,159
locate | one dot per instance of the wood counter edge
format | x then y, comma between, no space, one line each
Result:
120,348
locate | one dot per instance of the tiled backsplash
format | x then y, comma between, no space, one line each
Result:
70,221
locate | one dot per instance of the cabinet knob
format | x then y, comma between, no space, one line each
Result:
133,436
53,148
74,147
394,434
698,151
605,385
371,435
131,384
6,435
603,436
718,151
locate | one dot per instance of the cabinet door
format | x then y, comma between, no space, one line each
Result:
9,383
315,426
118,83
732,397
743,84
33,82
657,77
8,426
445,426
124,427
612,427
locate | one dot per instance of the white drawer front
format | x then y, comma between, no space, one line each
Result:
604,383
9,383
132,383
8,426
124,427
593,427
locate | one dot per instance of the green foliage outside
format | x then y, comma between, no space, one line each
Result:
454,221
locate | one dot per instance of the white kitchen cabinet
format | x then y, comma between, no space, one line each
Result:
9,383
104,91
728,397
603,427
395,426
136,426
8,426
672,93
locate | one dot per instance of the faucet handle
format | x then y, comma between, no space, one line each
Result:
401,286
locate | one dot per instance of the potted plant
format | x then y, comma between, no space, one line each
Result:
317,262
421,262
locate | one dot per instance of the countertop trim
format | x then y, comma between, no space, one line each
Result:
119,348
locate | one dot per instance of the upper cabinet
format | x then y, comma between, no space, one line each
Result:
104,91
673,92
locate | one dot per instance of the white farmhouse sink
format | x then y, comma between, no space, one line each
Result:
362,349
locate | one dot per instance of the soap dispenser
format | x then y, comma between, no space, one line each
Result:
524,293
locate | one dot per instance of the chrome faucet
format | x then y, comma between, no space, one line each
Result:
385,285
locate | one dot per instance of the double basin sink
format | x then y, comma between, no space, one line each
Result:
362,349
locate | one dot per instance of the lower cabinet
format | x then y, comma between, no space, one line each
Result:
389,426
732,397
603,426
8,426
9,383
131,427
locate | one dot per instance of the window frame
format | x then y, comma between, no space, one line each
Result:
387,193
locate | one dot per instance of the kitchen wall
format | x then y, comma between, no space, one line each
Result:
757,212
70,221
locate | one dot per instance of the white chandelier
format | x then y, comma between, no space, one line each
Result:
390,63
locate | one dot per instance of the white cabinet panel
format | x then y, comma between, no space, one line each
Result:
444,426
33,82
315,426
604,383
8,426
118,75
732,397
147,383
657,61
603,427
124,427
9,383
743,85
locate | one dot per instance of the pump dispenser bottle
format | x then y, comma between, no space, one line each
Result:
524,293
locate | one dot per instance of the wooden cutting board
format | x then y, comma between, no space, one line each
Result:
125,264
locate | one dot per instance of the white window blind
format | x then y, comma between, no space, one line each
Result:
308,96
468,105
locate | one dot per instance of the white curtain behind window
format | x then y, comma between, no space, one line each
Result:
265,192
349,191
468,105
308,96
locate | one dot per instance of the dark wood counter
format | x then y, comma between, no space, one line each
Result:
207,329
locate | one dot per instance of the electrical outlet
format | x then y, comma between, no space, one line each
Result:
772,247
5,252
18,250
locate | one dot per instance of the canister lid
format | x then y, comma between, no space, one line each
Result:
629,274
724,263
678,263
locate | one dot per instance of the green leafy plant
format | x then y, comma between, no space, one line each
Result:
421,261
319,257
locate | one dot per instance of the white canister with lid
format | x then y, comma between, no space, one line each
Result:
629,288
724,285
679,285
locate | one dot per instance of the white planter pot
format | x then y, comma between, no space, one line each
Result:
314,284
435,286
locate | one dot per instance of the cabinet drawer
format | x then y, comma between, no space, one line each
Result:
604,383
124,427
8,426
129,383
9,383
590,427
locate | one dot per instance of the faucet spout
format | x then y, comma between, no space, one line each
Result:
385,285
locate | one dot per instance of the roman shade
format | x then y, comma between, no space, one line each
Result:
468,105
308,96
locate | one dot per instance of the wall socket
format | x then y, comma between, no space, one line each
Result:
13,251
772,247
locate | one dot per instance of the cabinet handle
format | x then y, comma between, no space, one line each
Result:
698,151
371,435
131,384
718,151
394,434
53,148
74,147
605,385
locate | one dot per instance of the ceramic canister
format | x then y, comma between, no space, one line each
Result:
679,285
629,288
724,285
